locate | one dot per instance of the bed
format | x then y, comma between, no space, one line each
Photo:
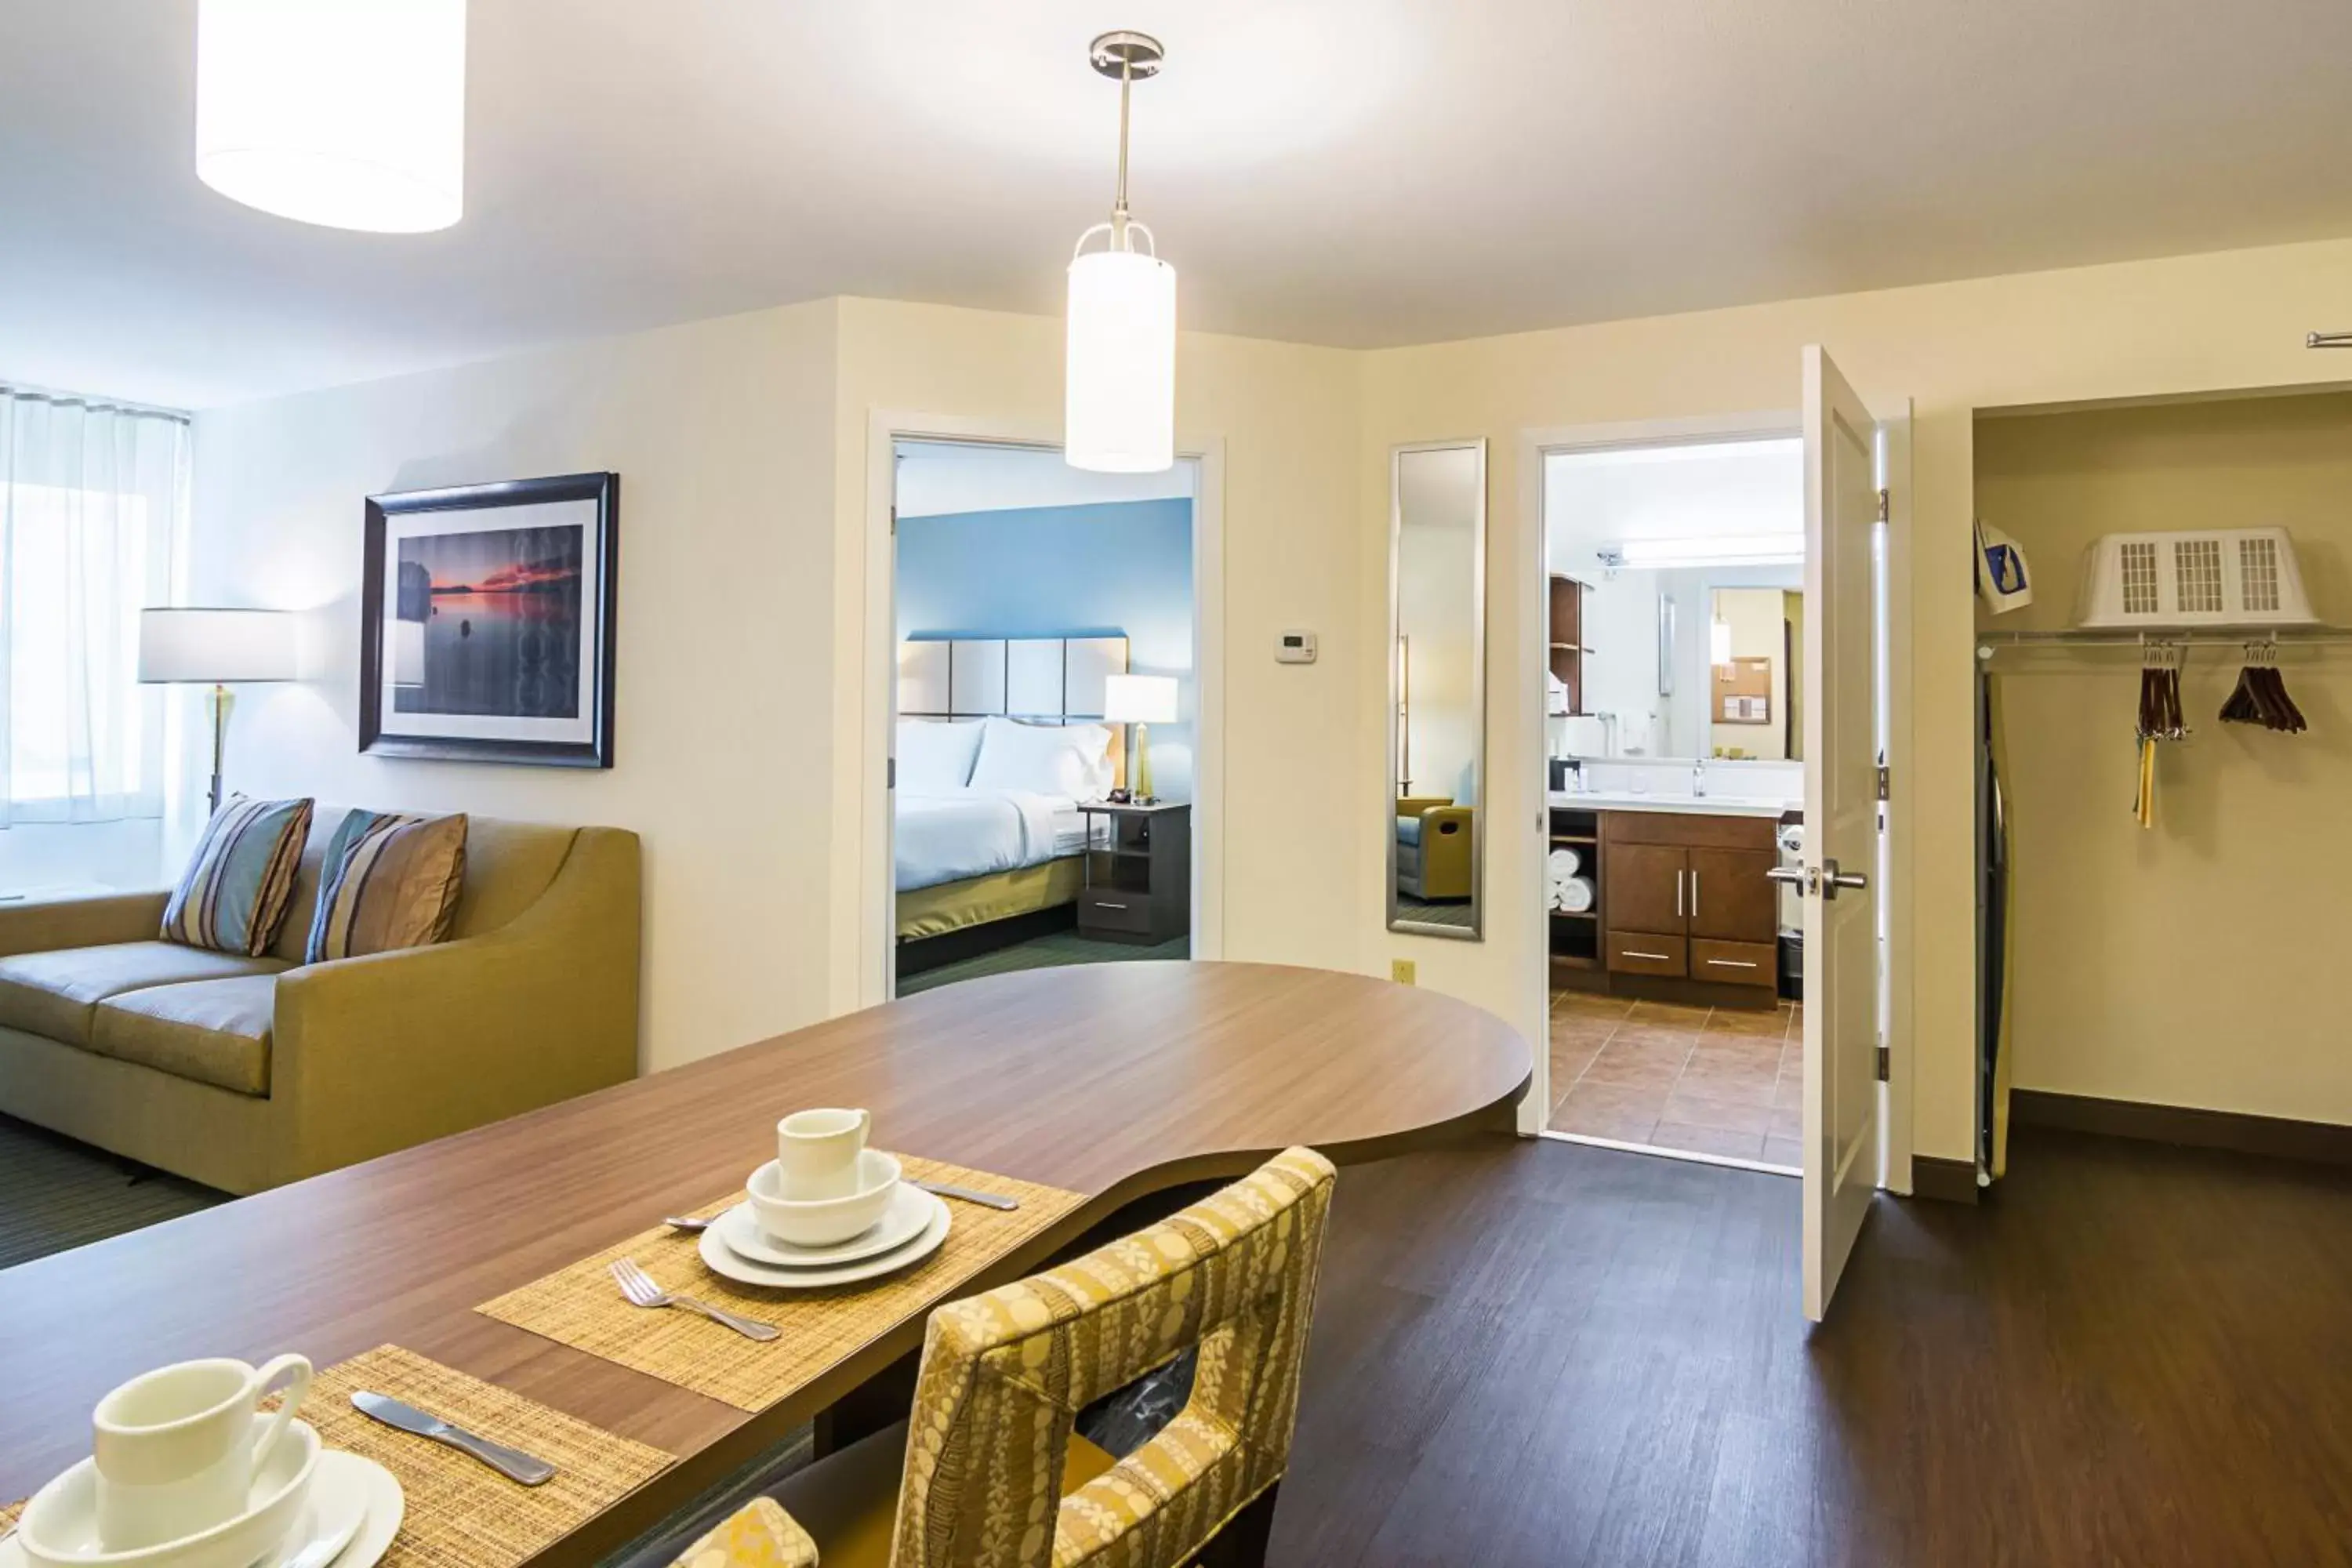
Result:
998,741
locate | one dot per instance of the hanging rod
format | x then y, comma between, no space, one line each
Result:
1990,643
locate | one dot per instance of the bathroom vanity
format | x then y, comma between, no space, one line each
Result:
1685,909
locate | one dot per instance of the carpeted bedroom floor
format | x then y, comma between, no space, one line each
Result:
1040,953
56,1194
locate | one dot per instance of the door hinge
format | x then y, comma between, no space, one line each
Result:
1882,1067
1882,781
1885,507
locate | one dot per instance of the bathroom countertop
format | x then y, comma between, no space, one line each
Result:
1693,805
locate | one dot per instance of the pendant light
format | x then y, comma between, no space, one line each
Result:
1119,417
347,113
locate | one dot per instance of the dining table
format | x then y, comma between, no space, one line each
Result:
1114,1082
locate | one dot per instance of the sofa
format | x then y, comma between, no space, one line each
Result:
244,1073
1432,847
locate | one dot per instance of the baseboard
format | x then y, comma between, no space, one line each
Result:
1946,1181
2281,1136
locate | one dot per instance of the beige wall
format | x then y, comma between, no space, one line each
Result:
2184,964
718,431
2141,328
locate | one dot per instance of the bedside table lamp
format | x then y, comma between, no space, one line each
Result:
218,649
1141,700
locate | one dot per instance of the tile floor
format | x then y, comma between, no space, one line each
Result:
1711,1080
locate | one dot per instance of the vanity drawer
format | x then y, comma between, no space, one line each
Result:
1640,953
1735,963
1100,908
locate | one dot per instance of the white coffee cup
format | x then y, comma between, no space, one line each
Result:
176,1448
816,1152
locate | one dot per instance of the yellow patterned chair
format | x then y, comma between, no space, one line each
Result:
988,1473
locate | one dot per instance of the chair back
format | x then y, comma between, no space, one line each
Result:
1005,1372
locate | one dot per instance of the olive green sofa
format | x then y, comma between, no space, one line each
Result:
244,1073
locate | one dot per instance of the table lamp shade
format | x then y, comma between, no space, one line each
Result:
216,647
1140,699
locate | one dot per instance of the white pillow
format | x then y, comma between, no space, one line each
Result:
934,756
1042,759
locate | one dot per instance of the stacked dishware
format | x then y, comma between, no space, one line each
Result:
827,1211
187,1471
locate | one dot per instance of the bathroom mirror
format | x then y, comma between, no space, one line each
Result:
1437,688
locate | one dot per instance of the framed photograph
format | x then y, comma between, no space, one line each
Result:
486,622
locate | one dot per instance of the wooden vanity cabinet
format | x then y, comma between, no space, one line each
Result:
1687,896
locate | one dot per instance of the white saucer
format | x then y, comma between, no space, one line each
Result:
910,1211
722,1260
341,1484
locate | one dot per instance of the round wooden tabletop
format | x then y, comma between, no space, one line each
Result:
1115,1080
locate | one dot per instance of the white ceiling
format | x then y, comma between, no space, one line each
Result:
1722,489
1346,172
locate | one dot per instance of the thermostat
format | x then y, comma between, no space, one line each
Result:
1295,647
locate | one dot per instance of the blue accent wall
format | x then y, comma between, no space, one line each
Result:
1065,571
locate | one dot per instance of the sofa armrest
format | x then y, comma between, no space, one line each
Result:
1415,805
377,1053
46,925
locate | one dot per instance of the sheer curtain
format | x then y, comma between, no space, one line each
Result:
94,498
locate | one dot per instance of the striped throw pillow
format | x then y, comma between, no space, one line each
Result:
388,881
233,896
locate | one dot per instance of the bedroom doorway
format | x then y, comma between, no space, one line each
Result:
1043,713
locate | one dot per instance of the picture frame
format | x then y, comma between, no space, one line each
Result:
487,622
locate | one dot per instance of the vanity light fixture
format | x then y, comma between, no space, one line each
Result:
1718,643
1119,414
345,113
1728,549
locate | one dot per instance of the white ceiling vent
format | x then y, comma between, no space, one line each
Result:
2219,577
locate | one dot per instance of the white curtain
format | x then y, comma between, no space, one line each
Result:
94,498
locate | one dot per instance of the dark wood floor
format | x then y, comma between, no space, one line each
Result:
1540,1353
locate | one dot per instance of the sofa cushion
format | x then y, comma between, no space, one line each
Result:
210,1031
391,881
55,994
234,895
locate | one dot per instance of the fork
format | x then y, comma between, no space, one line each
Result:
639,1287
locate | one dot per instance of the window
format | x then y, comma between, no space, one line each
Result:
91,500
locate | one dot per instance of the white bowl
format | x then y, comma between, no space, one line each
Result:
59,1528
820,1221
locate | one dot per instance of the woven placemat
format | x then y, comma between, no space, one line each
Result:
460,1512
581,1307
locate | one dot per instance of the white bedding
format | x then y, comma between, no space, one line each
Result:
945,836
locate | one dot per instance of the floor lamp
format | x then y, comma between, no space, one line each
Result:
219,648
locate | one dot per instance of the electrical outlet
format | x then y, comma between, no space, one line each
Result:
1402,970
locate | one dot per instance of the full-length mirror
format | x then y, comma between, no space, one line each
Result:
1437,688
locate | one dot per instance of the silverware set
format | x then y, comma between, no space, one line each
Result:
511,1463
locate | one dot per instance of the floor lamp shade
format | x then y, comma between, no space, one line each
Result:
216,647
1120,412
348,113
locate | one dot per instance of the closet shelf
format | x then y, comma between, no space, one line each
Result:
1991,643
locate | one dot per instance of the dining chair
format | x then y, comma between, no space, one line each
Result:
987,1472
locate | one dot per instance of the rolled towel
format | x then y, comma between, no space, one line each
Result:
1562,862
1575,895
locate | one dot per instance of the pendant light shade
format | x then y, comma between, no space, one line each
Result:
1119,391
348,113
1121,412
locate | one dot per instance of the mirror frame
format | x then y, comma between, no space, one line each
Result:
1476,930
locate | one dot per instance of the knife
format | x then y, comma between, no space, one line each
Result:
511,1463
986,1200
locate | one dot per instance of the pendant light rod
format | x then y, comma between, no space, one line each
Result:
1128,57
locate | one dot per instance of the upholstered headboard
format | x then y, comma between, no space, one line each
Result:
1056,678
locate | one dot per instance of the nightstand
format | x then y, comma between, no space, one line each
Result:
1138,873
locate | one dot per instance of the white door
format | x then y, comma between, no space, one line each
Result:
1841,1121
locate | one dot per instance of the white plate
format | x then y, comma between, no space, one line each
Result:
721,1259
341,1484
910,1211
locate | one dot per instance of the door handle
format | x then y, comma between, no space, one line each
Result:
1833,879
1792,875
1694,915
1678,895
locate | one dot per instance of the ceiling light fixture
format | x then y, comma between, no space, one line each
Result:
1728,549
347,113
1119,414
